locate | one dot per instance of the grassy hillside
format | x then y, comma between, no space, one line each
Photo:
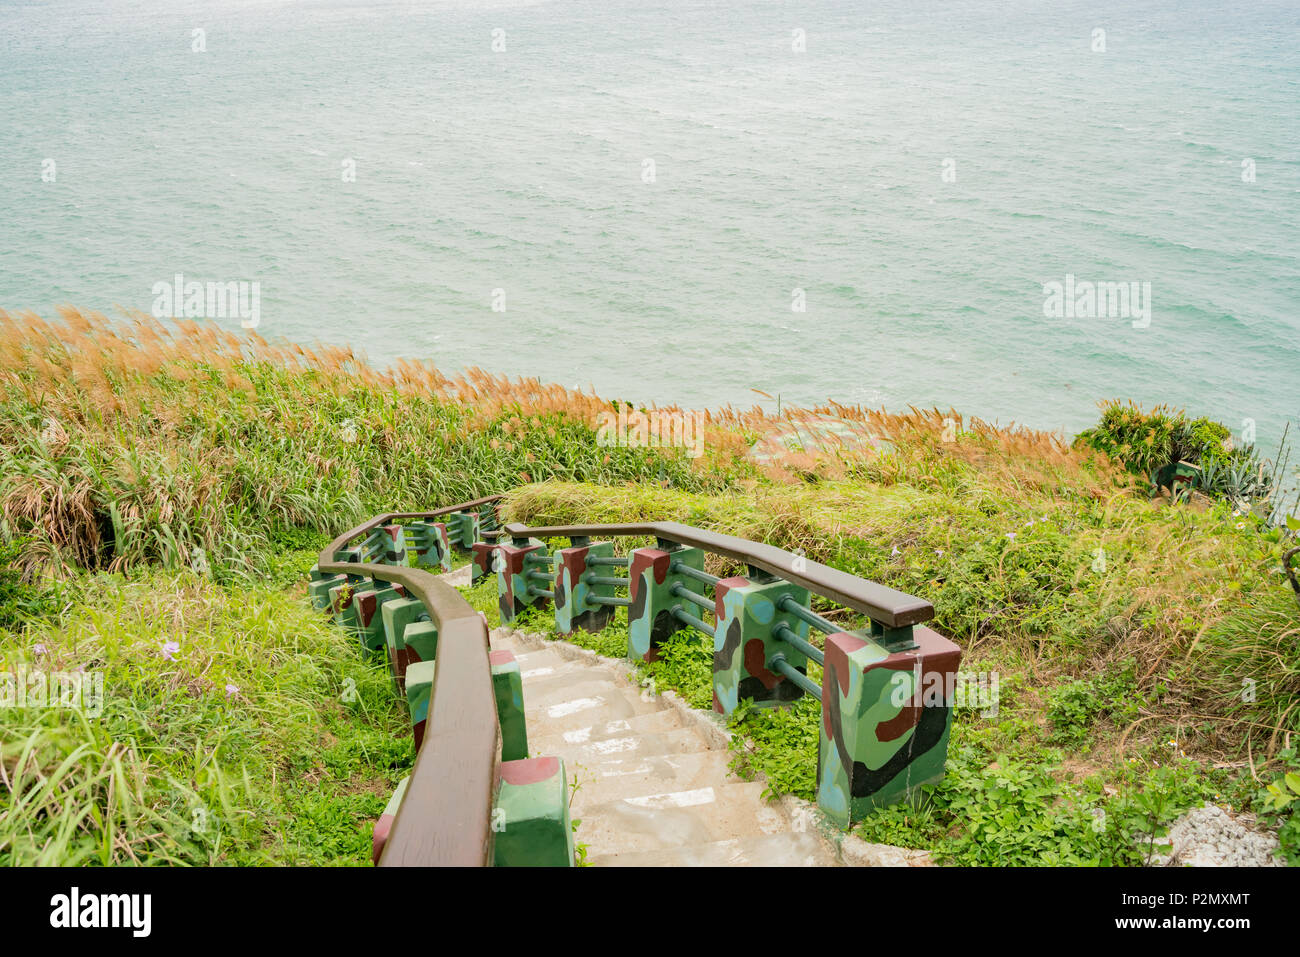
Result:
164,488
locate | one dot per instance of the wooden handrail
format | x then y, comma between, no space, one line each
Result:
445,818
895,609
327,553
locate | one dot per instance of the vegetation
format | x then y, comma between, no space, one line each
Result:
1280,803
165,488
1145,442
125,445
237,727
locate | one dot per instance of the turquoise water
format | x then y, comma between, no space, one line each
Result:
775,170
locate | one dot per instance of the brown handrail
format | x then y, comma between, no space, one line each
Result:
893,608
445,818
327,553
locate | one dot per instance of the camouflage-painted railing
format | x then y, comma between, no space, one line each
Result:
886,691
435,824
474,796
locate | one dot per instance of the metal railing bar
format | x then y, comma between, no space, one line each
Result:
783,631
778,663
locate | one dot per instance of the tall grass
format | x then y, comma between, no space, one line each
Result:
260,735
133,443
1051,582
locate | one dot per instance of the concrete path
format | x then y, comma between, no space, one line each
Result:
652,782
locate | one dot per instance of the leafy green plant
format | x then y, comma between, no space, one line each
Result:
21,601
1280,804
1074,707
685,664
1145,442
579,848
779,743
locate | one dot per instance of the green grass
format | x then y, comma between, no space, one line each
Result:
1120,679
267,740
174,488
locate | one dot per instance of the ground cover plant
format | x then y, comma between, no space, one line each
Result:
166,487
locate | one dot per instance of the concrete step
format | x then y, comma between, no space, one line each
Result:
530,660
583,704
657,722
503,638
652,787
620,776
696,816
786,849
632,748
544,679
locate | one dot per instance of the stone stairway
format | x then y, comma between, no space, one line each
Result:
652,785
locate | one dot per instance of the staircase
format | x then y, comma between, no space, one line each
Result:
644,776
652,786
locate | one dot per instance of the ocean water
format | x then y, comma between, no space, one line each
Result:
912,176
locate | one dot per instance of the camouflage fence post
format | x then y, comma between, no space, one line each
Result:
419,642
507,684
419,688
463,528
515,590
369,622
398,615
341,606
318,589
385,545
574,608
481,562
531,816
321,587
744,643
431,545
885,721
385,823
649,618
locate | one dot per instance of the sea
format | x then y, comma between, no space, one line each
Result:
1013,208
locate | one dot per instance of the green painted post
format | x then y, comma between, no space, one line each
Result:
514,591
744,643
398,614
341,605
509,688
481,563
429,542
369,621
421,642
531,817
885,721
390,543
574,609
463,528
419,687
649,618
319,590
385,822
